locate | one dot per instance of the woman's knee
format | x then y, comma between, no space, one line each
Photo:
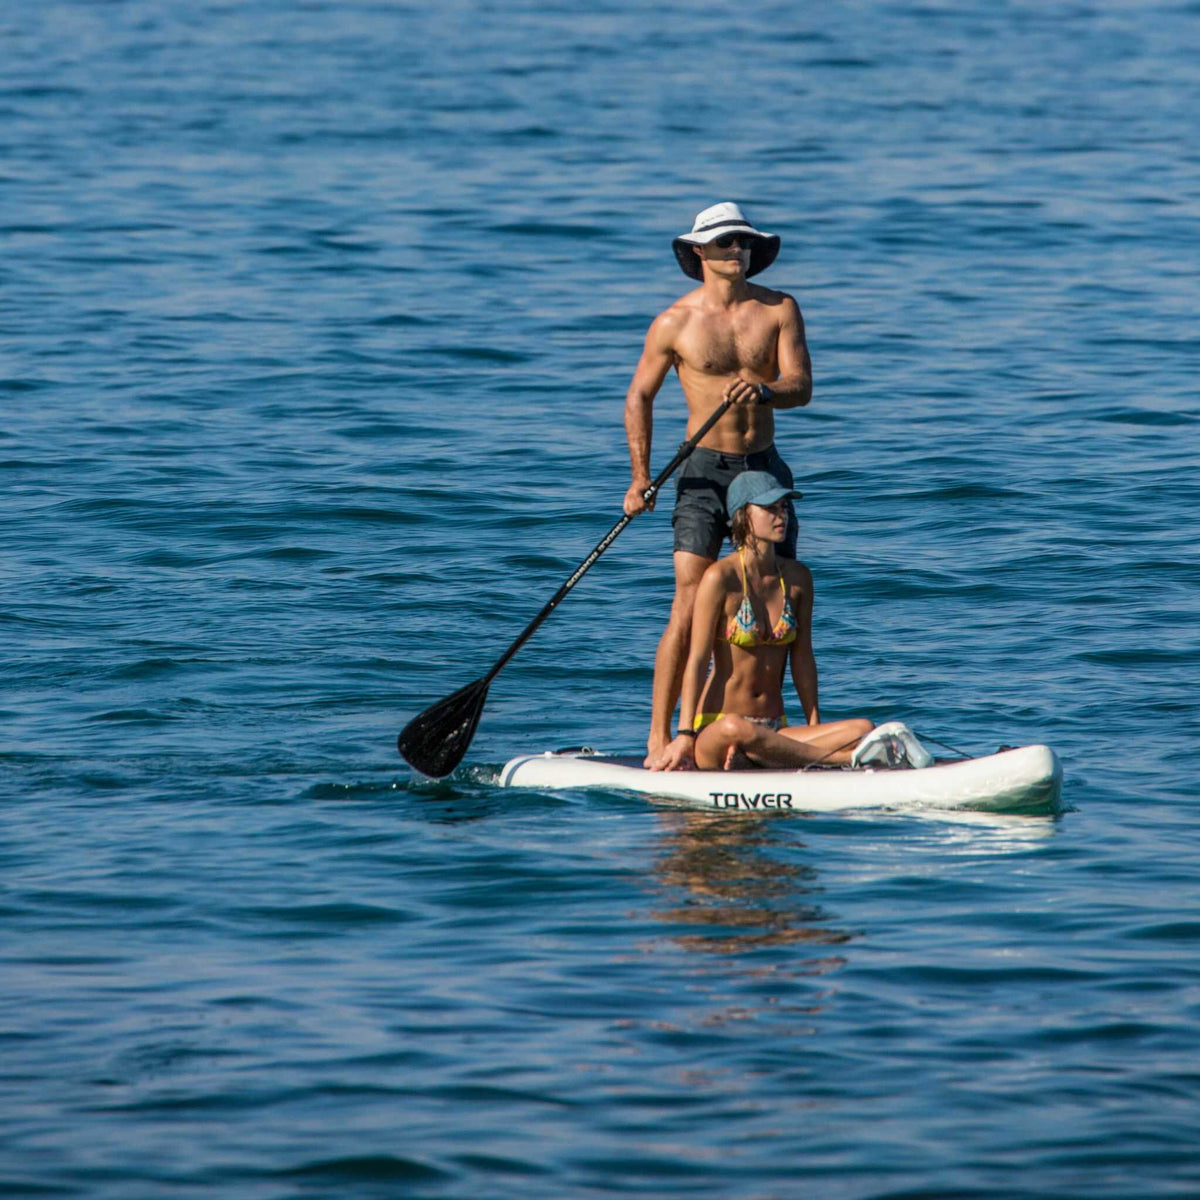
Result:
854,729
736,731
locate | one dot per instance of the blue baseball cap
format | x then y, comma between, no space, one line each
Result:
756,487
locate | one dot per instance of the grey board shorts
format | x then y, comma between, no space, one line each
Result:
700,521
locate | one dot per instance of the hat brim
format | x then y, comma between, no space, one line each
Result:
763,249
769,497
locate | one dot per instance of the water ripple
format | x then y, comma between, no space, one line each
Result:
316,351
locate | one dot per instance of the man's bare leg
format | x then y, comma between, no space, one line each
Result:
672,651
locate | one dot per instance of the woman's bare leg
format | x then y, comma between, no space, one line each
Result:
723,742
835,739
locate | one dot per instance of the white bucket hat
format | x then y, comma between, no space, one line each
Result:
711,224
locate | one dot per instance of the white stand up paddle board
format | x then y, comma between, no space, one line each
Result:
1025,779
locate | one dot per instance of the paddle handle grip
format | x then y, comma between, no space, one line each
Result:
607,540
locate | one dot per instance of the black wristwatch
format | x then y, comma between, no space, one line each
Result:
765,395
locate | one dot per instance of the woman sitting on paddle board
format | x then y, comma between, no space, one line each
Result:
753,614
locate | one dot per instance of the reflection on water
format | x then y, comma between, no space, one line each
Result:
734,881
963,831
734,894
738,894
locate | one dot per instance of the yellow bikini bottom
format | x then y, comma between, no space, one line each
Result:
703,719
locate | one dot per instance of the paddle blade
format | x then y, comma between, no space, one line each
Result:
434,741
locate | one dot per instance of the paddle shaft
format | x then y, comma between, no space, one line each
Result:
607,540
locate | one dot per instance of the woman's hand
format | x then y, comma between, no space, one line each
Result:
680,755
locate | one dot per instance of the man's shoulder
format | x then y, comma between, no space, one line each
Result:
675,316
772,298
687,304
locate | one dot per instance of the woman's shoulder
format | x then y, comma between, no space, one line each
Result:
795,573
724,569
724,573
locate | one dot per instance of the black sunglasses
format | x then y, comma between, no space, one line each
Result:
727,239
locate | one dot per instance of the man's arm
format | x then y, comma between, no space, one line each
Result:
793,388
657,359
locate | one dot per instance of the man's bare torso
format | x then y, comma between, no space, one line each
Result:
712,346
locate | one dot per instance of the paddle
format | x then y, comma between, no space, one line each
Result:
434,741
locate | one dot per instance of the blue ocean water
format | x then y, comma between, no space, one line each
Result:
315,325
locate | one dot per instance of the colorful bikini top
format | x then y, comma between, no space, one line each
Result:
744,629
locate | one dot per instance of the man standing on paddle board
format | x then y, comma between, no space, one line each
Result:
726,339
